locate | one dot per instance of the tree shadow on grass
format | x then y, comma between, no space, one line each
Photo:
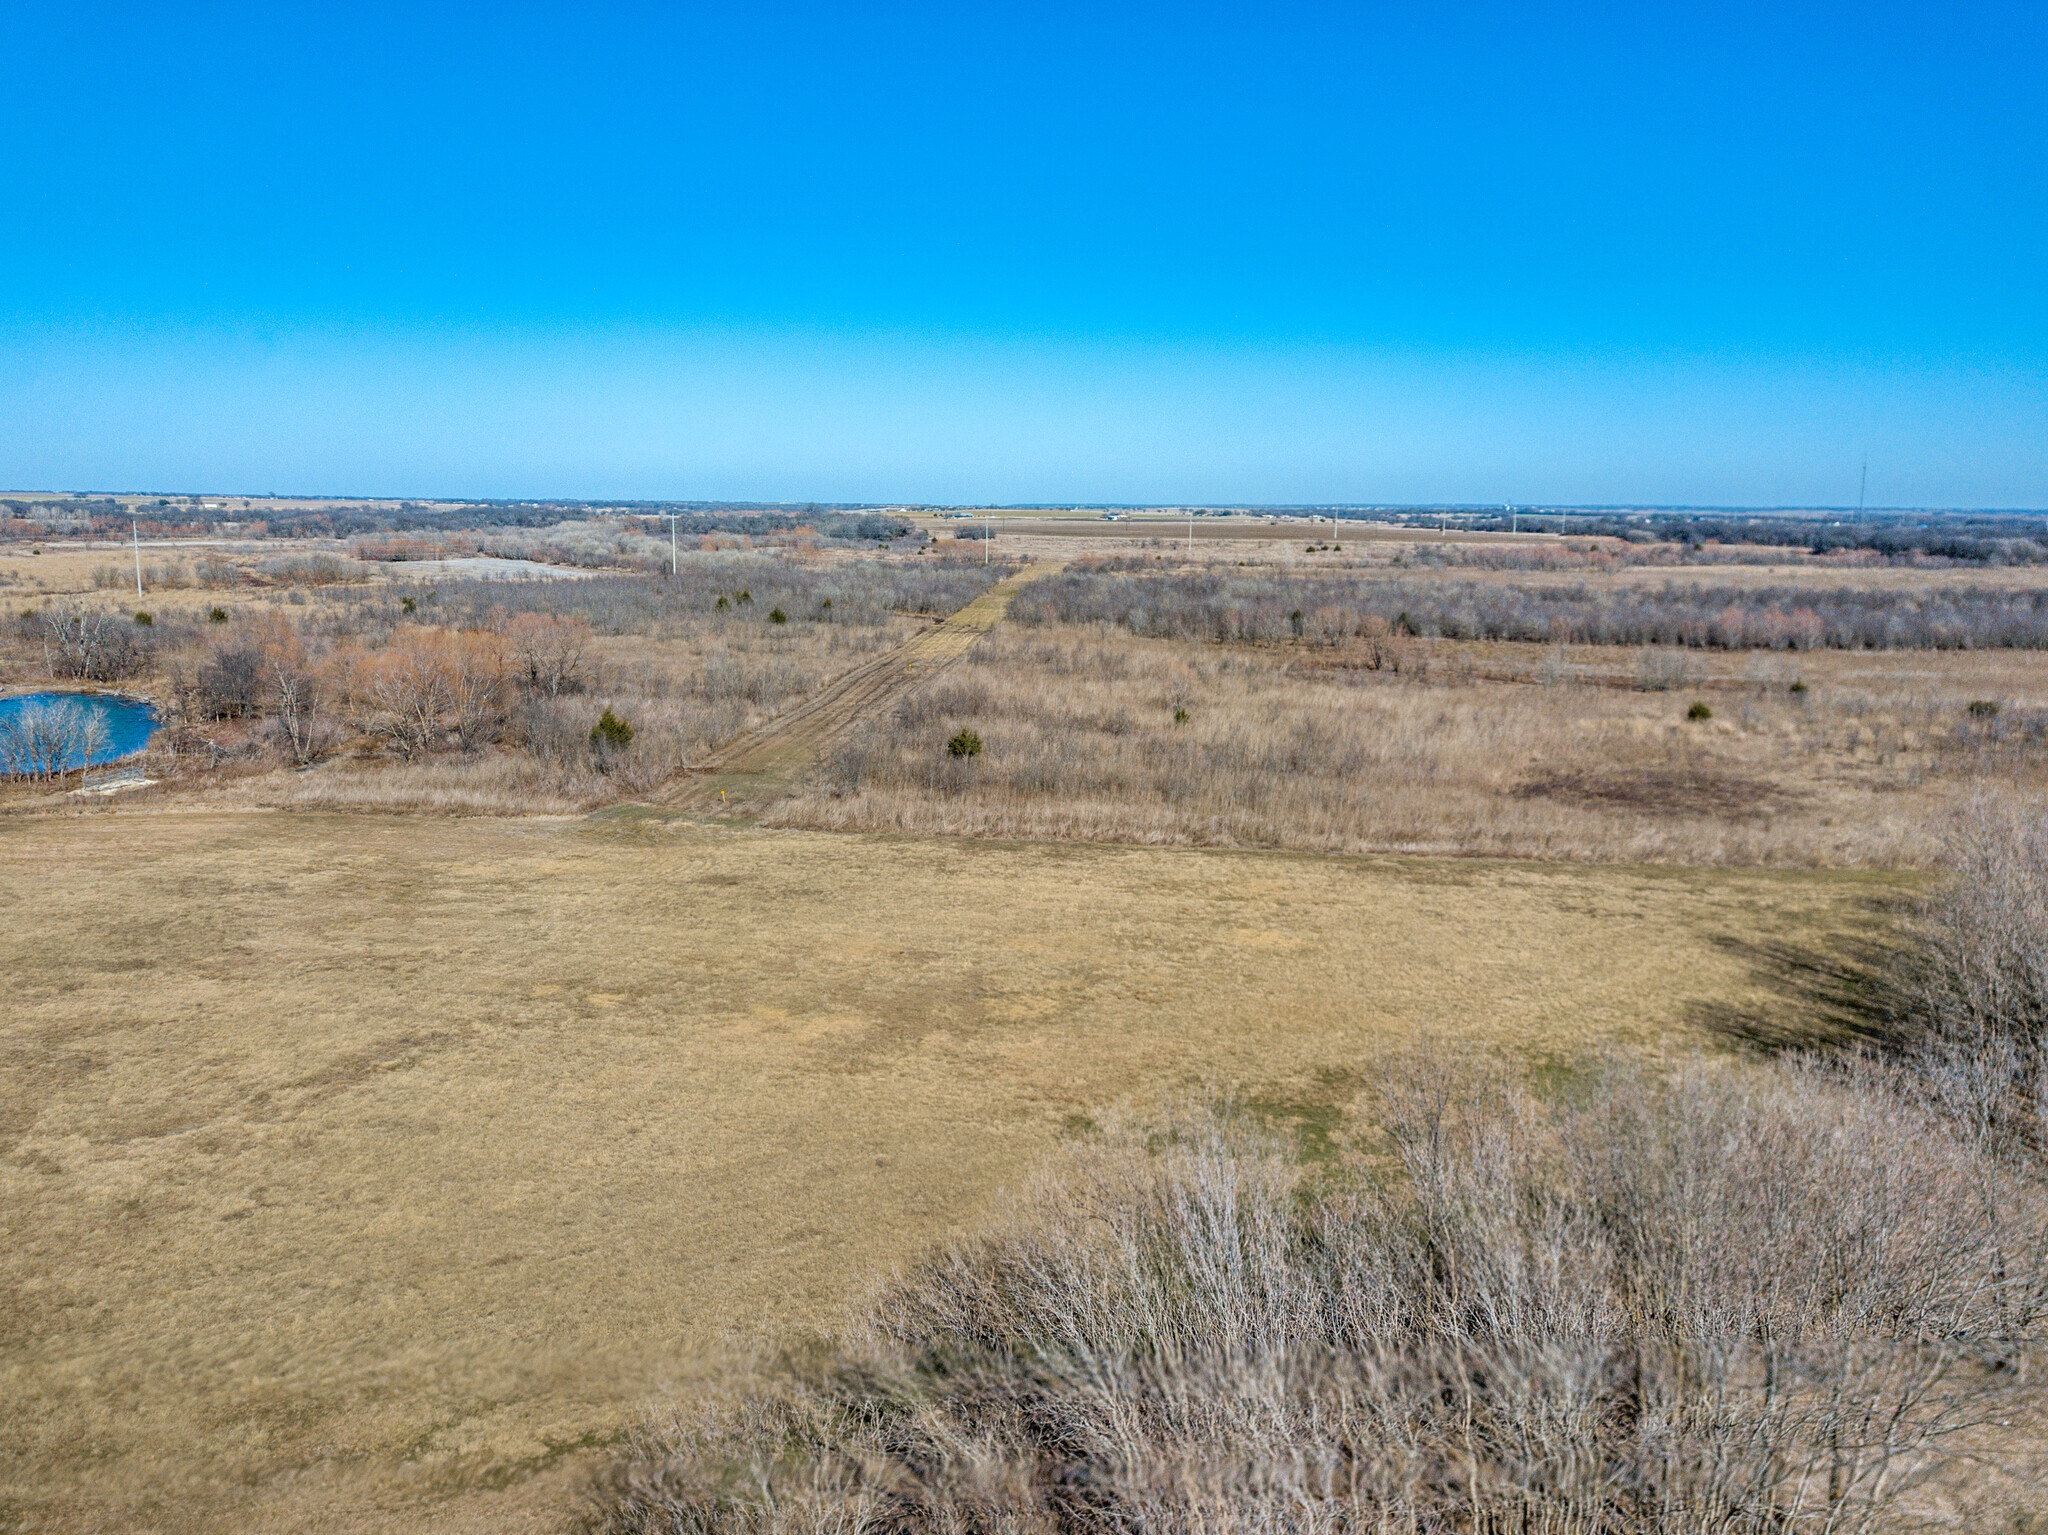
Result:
1827,995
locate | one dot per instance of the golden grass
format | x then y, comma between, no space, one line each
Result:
490,783
355,1170
69,569
26,572
1466,751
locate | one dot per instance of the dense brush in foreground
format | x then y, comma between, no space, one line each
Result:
1732,1298
1966,1006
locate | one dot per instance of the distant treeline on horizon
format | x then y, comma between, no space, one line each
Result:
1955,533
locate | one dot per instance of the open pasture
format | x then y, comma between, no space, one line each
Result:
1433,746
356,1173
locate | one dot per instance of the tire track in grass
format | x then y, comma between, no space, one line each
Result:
766,763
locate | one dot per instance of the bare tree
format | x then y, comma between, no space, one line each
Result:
91,735
88,643
293,684
1969,999
411,689
296,696
549,651
477,685
47,740
1265,605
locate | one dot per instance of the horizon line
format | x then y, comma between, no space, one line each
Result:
1468,508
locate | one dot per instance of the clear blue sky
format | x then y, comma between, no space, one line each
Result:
1639,252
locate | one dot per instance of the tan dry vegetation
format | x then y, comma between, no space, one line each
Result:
1363,546
1292,746
687,673
356,1171
1217,541
1833,574
766,763
1493,749
1093,531
1745,1300
55,569
1739,1295
180,576
1366,550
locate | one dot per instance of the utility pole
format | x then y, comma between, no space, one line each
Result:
1191,530
988,534
1862,485
136,524
671,541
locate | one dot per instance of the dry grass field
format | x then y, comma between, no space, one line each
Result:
1492,749
355,1172
369,1172
1323,742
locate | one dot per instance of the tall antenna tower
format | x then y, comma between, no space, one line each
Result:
1862,485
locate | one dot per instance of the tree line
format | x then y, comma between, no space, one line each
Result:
1269,606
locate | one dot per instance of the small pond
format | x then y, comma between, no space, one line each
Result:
40,731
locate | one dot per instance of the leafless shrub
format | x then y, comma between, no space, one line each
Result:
426,687
729,679
1758,1299
216,570
847,763
172,574
310,570
1659,669
295,689
230,682
548,650
1968,1000
295,717
861,594
941,701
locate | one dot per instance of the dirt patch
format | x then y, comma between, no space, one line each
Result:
1667,791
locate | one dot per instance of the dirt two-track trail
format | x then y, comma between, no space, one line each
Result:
755,769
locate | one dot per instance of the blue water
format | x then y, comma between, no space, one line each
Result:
130,723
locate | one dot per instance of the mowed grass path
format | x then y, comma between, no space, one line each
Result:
354,1171
764,765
